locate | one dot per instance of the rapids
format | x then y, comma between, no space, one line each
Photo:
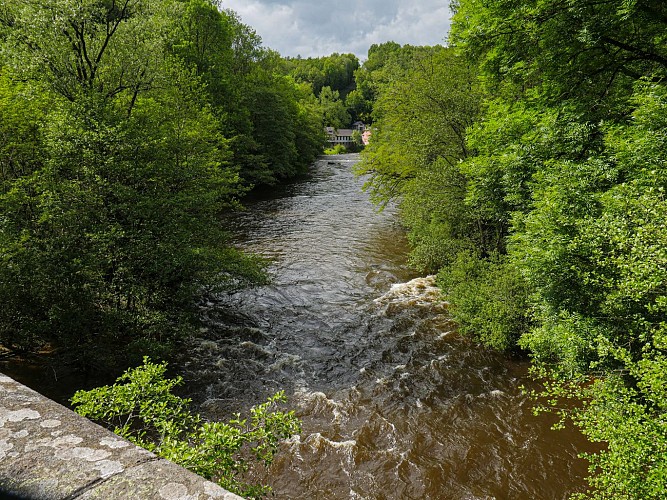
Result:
395,404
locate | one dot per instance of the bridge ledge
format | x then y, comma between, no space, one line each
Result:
48,452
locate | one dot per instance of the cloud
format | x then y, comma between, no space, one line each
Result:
311,29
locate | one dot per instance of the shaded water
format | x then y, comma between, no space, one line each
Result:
394,403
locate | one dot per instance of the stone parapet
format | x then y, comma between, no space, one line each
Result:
49,452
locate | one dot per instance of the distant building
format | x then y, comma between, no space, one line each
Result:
339,136
360,126
344,135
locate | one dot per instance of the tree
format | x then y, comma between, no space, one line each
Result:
545,219
113,229
385,62
112,50
418,143
335,71
332,108
588,52
568,155
271,135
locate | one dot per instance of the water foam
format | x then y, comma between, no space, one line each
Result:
317,441
418,292
315,402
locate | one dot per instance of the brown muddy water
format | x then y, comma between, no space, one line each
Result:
395,405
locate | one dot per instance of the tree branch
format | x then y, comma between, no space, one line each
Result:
643,54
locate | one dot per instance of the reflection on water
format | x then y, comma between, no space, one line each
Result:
394,403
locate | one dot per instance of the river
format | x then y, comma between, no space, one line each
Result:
394,403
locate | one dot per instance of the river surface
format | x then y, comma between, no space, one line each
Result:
395,404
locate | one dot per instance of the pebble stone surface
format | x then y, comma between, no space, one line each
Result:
49,452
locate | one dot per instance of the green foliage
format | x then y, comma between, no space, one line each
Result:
332,108
338,149
608,318
586,52
421,117
386,62
78,47
114,234
141,407
357,138
327,80
433,208
274,130
273,123
489,300
578,183
591,246
546,220
626,419
634,463
418,143
126,131
335,72
22,112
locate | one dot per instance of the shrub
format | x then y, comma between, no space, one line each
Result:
338,149
141,407
489,300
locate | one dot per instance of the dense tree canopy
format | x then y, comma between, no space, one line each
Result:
386,62
127,128
331,79
335,71
528,158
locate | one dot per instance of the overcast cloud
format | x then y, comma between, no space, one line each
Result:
313,28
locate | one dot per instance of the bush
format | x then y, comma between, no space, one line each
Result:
489,300
140,406
338,149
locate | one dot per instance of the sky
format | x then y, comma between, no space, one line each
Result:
312,28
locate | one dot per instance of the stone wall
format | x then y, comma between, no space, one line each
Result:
49,452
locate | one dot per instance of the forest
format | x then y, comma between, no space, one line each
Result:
529,160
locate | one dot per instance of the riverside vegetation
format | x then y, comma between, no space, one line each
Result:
530,161
142,408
